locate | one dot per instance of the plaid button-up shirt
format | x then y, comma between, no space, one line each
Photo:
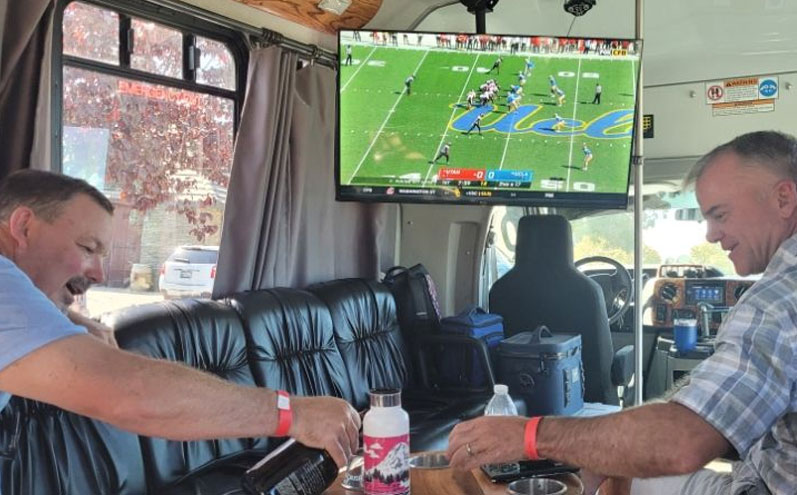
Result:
748,389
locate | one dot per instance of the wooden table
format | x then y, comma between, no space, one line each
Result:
450,482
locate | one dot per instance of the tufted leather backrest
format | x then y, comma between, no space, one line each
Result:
367,334
203,334
292,346
60,452
340,339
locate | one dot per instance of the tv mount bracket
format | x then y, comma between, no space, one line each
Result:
480,8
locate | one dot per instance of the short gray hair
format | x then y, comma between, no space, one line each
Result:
45,193
774,150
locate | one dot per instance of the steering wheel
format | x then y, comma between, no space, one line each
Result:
617,287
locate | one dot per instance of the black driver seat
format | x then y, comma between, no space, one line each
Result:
545,288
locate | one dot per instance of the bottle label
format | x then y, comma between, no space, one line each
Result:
387,465
306,480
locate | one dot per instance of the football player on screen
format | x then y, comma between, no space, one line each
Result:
560,97
554,86
496,66
587,156
408,83
484,99
348,55
471,96
476,124
560,123
444,152
513,101
529,66
598,90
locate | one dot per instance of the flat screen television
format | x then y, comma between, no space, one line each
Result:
485,119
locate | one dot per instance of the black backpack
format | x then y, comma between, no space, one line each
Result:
416,299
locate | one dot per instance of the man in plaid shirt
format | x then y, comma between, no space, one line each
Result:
743,398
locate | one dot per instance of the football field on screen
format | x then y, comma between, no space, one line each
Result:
387,134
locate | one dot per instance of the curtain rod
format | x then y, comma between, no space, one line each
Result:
264,35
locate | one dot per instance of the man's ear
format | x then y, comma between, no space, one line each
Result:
786,196
19,225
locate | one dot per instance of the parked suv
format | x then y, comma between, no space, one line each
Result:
189,272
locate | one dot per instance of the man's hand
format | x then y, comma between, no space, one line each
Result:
486,440
591,481
614,486
327,423
95,328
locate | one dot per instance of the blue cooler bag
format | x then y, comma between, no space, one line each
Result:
461,366
544,370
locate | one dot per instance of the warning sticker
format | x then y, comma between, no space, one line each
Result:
743,107
743,89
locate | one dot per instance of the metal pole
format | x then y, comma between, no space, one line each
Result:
638,161
481,21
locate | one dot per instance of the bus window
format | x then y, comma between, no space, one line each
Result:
669,235
91,33
216,64
156,49
673,232
158,145
503,224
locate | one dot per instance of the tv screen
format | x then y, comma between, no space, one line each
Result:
485,119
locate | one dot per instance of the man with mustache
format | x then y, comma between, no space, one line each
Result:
54,231
742,399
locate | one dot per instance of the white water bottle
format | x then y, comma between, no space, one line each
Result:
386,444
501,403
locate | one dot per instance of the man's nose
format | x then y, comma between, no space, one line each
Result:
95,272
713,234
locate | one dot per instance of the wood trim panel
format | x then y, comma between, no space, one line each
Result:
307,13
663,308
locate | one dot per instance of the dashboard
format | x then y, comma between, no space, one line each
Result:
679,298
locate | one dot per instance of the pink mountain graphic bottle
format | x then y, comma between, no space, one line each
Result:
386,439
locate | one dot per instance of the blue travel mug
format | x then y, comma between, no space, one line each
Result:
685,333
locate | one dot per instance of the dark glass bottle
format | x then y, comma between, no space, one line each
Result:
291,469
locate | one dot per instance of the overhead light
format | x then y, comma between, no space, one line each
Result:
579,7
336,7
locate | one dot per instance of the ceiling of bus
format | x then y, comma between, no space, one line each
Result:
685,40
308,13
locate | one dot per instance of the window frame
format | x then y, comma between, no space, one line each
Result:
189,26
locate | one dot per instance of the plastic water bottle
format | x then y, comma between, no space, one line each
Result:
501,403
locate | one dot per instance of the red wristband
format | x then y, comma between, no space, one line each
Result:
530,438
285,414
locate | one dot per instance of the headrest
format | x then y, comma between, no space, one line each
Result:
544,239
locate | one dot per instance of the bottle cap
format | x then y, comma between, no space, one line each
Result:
385,397
500,389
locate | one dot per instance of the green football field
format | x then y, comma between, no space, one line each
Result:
387,134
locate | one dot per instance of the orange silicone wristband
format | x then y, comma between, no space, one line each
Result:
530,438
285,414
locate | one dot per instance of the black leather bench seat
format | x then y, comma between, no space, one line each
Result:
339,338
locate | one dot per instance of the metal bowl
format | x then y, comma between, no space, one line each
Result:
536,486
429,460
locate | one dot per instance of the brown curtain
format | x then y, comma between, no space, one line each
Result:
24,27
282,226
